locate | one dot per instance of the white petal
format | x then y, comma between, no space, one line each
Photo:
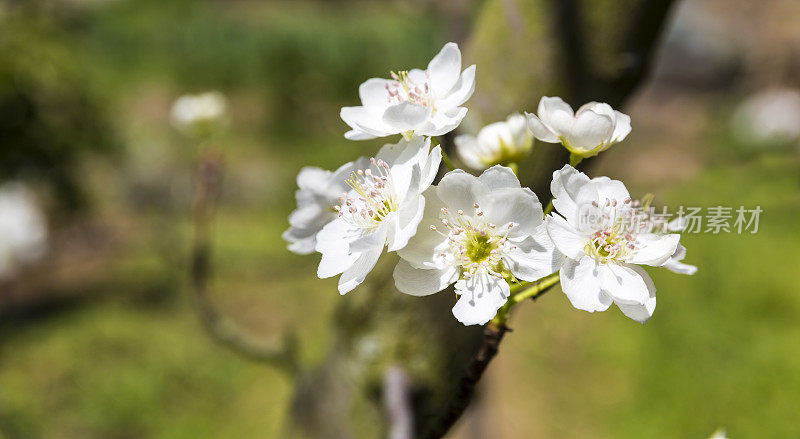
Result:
590,130
313,178
403,152
675,265
357,134
408,218
655,250
678,224
622,127
640,311
566,238
373,93
430,167
566,185
445,68
311,214
556,115
461,91
581,284
335,261
336,234
534,257
518,206
624,282
481,296
355,275
406,116
468,151
422,282
370,239
498,177
442,122
459,190
608,189
540,131
420,250
301,241
404,159
366,124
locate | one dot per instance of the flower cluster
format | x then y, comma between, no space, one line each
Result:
488,236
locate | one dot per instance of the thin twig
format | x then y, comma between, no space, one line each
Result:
218,326
397,401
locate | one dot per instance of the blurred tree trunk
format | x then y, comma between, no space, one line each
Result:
581,50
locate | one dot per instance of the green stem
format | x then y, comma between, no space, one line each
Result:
446,160
533,290
537,288
574,159
514,168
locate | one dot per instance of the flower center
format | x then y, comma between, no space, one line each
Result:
405,89
618,229
479,247
371,198
473,243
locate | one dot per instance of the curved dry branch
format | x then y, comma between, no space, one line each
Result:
281,355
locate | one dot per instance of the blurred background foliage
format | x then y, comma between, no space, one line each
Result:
99,338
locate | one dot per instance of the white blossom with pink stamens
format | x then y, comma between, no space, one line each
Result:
600,232
421,102
477,232
381,209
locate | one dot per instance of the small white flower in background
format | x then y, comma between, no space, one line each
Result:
500,143
425,102
474,232
23,229
382,209
769,117
719,434
594,128
598,231
318,194
200,113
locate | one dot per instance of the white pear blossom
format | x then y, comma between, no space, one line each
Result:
604,245
425,102
199,113
500,143
594,128
318,194
382,209
23,229
476,233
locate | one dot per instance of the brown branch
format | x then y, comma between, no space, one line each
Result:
569,30
218,326
637,48
492,336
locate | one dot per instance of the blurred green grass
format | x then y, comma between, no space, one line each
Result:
721,350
